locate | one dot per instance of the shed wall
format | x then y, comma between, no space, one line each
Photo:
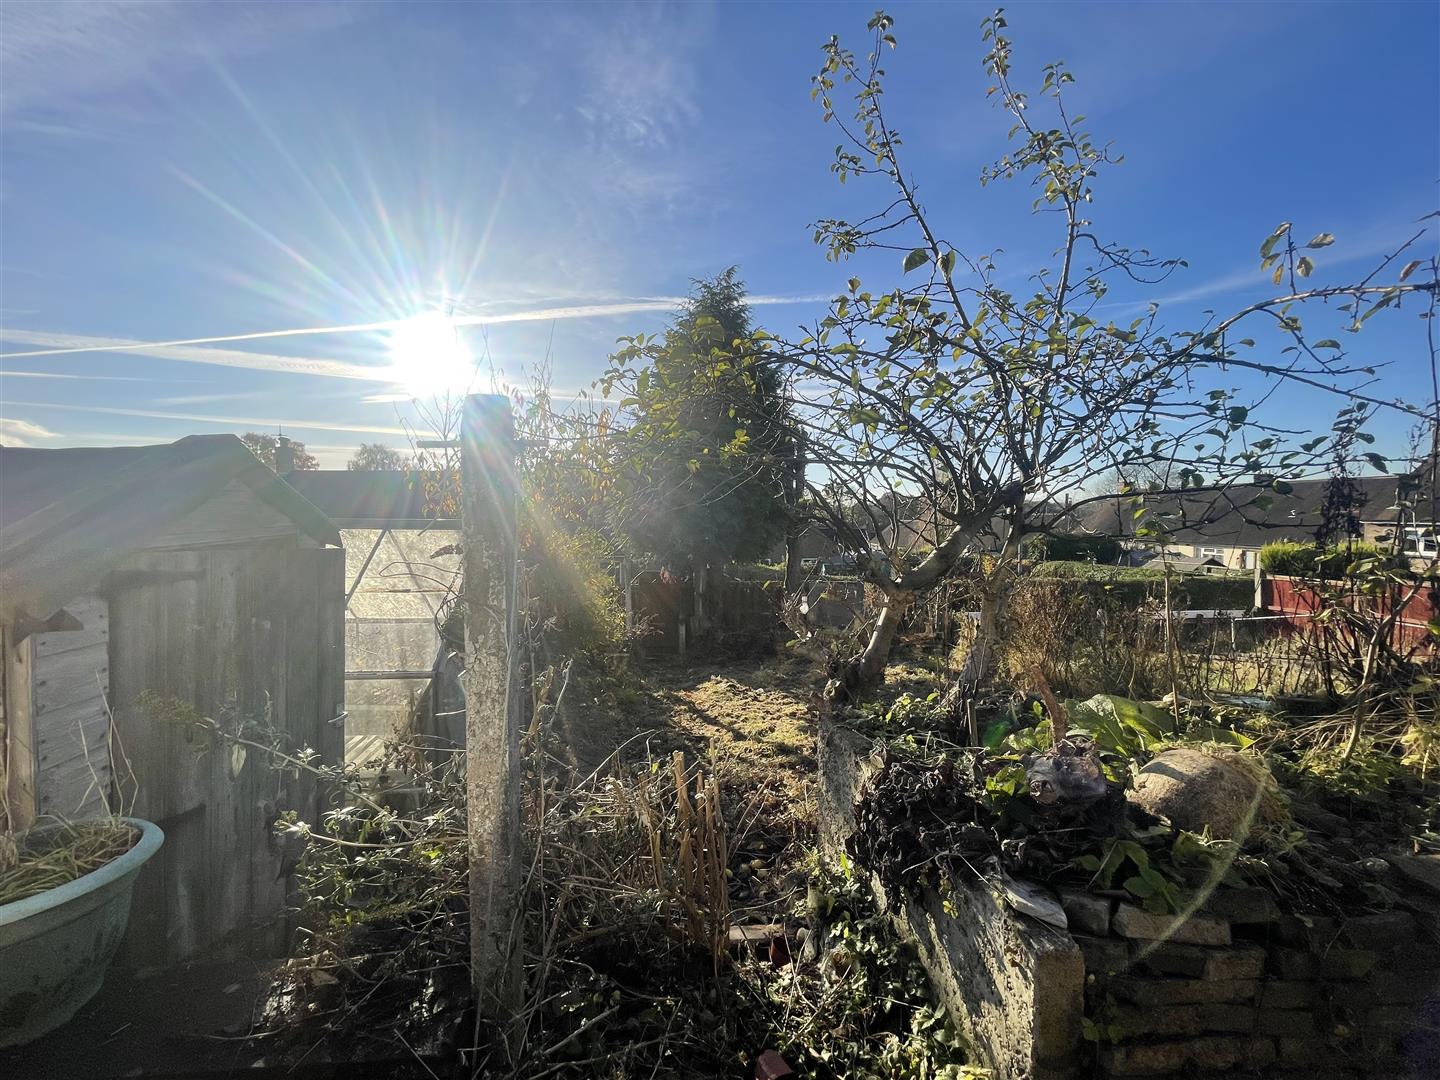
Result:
252,637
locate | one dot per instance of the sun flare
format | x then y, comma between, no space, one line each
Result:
428,358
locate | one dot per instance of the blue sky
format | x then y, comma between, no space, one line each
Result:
176,171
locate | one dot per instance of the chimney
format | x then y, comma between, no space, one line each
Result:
284,456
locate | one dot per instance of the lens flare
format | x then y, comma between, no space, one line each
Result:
428,358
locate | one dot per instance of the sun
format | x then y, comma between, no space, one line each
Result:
428,358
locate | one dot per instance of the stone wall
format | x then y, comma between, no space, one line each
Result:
1234,989
1240,988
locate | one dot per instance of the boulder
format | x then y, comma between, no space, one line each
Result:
1214,788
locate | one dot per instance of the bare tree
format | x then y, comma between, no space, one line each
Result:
987,408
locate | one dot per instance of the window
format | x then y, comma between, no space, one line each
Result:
1212,553
1421,542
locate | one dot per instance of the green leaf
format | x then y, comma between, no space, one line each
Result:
1378,462
1320,240
917,257
1139,886
1279,273
1274,238
947,264
1328,343
1303,266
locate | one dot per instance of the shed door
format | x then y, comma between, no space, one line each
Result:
71,681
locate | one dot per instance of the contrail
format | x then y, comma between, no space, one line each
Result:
231,421
573,311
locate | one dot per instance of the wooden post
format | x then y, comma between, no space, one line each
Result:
492,729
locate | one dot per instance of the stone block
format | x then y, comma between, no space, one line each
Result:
1384,932
1288,994
1228,1019
1212,1052
1242,961
1136,1021
1103,955
1310,1049
1421,870
1401,1019
1296,964
1167,959
1347,964
1389,987
1291,1023
1133,922
1243,906
1088,914
1141,991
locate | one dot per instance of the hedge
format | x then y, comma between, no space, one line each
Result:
1136,584
1308,559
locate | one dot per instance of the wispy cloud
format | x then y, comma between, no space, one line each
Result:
23,433
52,52
66,375
203,418
63,344
194,350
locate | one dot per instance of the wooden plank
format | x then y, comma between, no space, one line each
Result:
93,613
20,765
235,514
66,678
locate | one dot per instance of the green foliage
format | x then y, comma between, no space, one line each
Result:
573,594
377,457
1136,584
875,1018
1138,876
701,470
1082,549
1308,559
1121,725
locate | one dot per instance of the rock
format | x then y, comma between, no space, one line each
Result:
1386,931
771,1066
1196,790
1423,870
1087,913
1245,906
1131,922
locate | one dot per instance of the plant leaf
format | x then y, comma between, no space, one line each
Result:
1320,240
917,257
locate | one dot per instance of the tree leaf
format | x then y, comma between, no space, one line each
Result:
1327,343
917,257
1378,462
1303,266
1320,240
1410,268
1279,273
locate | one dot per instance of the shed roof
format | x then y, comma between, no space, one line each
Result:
366,499
67,516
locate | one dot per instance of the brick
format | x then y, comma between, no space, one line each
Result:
1243,961
1142,991
1132,922
1243,906
1347,963
1103,955
1385,932
1211,1052
1088,914
1288,994
1228,1019
1314,931
1291,1023
771,1066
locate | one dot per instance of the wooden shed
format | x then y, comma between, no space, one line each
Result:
191,571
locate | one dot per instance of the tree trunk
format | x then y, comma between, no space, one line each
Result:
869,666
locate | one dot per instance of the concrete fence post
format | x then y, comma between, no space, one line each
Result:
492,729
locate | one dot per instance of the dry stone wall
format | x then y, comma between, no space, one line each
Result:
1234,989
